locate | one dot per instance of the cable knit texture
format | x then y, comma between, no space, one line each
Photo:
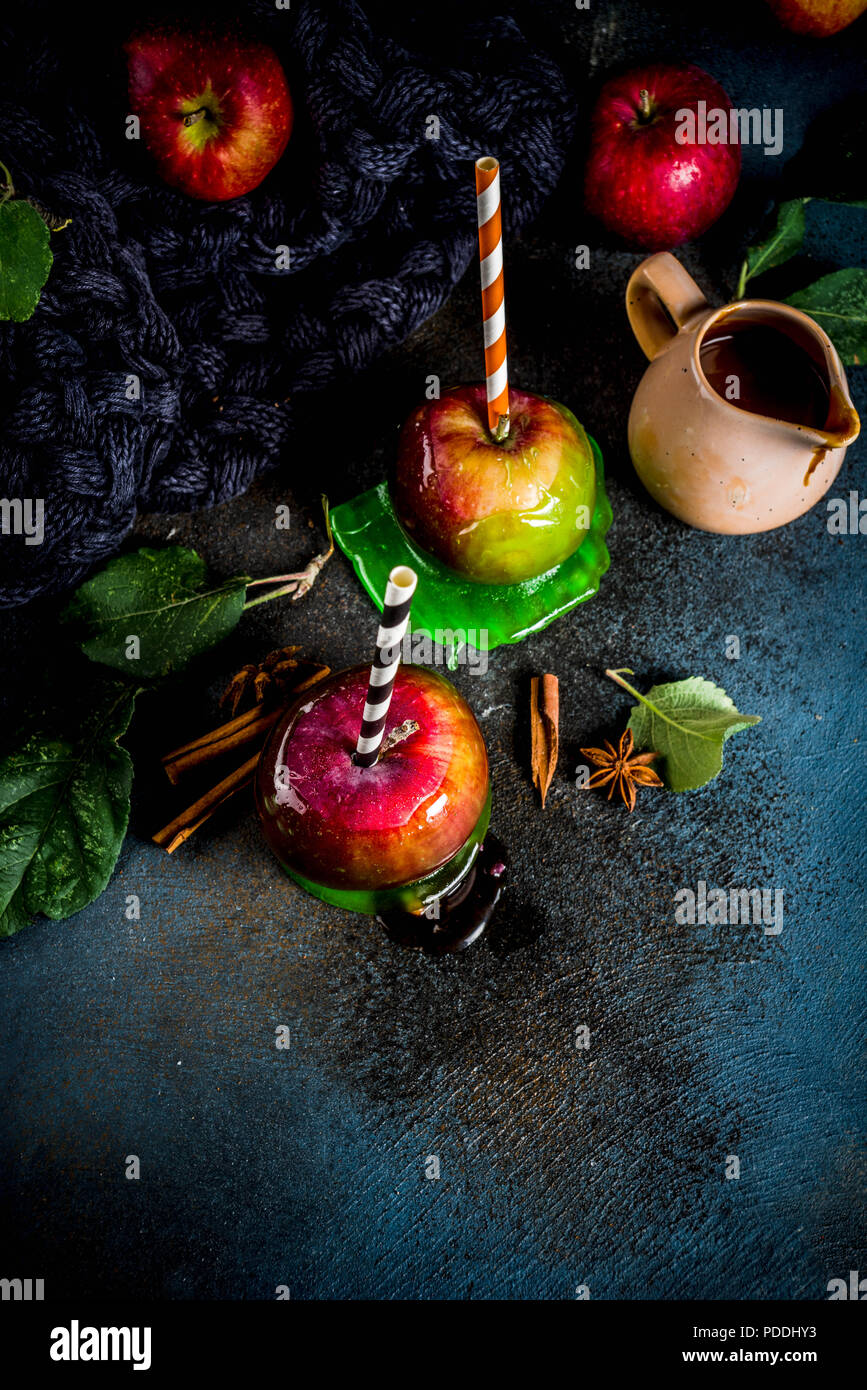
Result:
191,298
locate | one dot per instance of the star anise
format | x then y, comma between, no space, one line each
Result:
622,768
268,680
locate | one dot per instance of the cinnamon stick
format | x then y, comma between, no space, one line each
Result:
182,827
243,729
544,725
236,733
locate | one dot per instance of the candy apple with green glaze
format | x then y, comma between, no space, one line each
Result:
496,511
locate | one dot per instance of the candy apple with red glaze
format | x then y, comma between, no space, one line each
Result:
215,112
373,828
640,181
496,511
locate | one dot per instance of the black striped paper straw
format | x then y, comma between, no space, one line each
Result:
395,619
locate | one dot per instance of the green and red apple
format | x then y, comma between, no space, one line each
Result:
215,112
820,18
496,511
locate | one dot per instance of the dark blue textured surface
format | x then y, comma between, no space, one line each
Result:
558,1167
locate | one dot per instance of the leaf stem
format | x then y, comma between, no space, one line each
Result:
742,280
9,185
616,676
275,593
617,672
272,579
301,583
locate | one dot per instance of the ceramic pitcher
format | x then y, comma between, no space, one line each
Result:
707,459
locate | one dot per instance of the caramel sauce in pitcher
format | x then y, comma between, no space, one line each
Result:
764,371
754,391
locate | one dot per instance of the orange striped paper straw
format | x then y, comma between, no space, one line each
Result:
493,297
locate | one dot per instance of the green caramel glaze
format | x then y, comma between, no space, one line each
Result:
369,533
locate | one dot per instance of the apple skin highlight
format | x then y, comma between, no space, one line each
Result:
497,513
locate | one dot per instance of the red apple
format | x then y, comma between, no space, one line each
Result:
215,112
817,17
497,512
369,829
641,182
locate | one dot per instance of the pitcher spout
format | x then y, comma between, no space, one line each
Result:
842,427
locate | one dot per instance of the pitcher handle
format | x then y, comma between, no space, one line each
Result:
660,298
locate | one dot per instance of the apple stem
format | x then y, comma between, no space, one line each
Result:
645,110
193,117
502,430
397,735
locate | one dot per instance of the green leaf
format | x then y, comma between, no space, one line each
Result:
687,722
64,807
25,259
839,303
784,242
160,597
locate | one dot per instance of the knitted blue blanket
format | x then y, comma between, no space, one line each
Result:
161,366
